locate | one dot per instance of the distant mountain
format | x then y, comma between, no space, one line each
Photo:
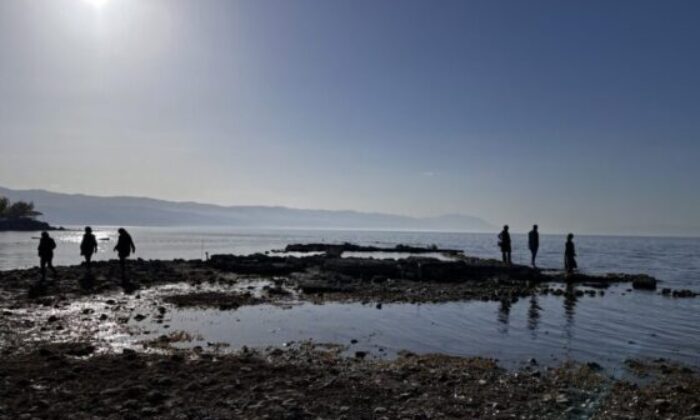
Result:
79,209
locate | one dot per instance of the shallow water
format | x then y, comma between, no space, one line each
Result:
676,261
606,329
548,328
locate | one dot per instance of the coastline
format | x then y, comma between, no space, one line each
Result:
312,381
49,360
26,225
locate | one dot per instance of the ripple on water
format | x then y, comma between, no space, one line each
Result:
606,329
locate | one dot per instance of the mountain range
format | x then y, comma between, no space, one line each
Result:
79,209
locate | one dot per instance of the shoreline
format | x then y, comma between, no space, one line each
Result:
49,362
311,381
26,225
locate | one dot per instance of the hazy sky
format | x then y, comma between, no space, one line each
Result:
581,116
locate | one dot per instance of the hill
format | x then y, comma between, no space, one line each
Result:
79,209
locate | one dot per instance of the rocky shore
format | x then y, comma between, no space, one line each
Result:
328,277
52,362
312,381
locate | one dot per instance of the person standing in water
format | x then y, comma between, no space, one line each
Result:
88,246
504,243
125,246
45,250
570,255
533,242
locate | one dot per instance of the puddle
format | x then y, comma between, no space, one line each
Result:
548,328
551,329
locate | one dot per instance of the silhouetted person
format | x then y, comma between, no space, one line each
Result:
504,243
46,247
88,246
570,255
533,242
125,246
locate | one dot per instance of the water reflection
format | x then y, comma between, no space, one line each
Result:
503,329
570,305
533,315
504,316
569,312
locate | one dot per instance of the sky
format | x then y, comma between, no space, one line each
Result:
579,116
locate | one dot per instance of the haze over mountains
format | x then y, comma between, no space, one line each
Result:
78,209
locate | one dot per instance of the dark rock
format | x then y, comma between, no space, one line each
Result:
156,397
683,293
644,282
129,354
594,366
80,350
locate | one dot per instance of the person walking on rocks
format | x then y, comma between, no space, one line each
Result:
504,244
533,242
88,246
125,246
45,249
570,255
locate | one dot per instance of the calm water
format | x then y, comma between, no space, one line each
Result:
676,261
606,329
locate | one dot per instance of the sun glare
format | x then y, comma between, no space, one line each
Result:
96,3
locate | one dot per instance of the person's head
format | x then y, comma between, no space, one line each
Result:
44,234
122,231
534,227
569,237
88,229
505,227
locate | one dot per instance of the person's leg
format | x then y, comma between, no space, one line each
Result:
510,261
122,265
43,269
53,269
503,257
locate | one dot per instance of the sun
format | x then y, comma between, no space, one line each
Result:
98,4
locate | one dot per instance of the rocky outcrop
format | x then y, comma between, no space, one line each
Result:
261,264
428,269
337,249
644,282
24,225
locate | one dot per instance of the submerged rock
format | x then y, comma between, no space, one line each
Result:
644,282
